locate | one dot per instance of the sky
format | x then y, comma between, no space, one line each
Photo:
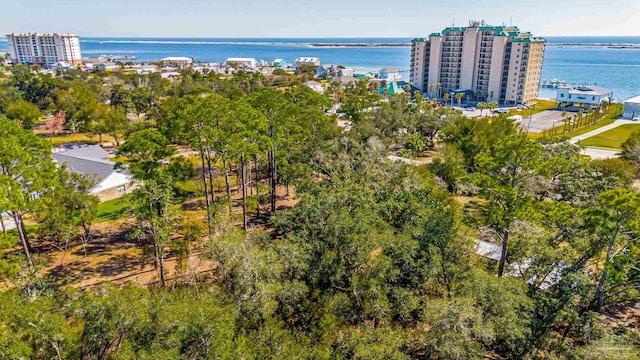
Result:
325,18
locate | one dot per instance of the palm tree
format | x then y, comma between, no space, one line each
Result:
492,105
459,98
446,98
491,95
481,106
438,86
431,86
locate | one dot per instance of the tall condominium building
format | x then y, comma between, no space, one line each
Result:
490,63
44,49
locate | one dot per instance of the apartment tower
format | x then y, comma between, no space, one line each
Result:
44,49
490,63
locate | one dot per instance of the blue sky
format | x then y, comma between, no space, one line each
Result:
325,18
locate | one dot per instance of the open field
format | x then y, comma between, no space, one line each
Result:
613,138
541,105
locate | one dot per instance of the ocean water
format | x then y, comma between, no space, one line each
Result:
616,69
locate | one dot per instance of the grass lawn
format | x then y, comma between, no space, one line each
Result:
541,105
613,138
81,138
113,209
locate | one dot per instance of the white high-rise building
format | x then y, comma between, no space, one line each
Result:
44,49
487,63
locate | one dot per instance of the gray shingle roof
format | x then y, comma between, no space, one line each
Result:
89,152
97,168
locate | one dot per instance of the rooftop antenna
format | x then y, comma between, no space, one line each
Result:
511,21
453,23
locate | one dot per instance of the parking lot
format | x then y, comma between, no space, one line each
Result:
542,121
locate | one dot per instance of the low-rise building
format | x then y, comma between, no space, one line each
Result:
313,61
177,61
390,74
327,71
243,62
582,94
631,108
91,161
279,63
109,66
345,72
315,86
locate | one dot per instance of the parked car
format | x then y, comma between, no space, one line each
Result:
520,107
637,118
500,111
470,108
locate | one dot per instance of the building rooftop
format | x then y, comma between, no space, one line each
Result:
89,151
633,100
417,40
587,90
176,58
99,169
391,89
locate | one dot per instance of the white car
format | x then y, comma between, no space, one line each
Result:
520,107
637,118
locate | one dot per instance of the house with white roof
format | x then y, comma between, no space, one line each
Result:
631,108
243,62
91,161
582,94
177,61
313,61
315,86
390,74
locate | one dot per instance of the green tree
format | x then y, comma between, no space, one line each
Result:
23,112
26,167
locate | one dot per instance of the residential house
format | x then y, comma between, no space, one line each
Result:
250,63
390,74
327,71
279,63
180,62
109,66
344,80
313,61
91,161
585,95
315,86
345,72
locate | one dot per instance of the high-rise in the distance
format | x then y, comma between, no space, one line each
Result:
494,63
44,49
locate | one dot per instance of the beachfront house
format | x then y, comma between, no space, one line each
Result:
390,74
146,69
109,66
315,86
327,71
631,108
312,61
345,72
91,161
581,95
177,61
279,63
247,63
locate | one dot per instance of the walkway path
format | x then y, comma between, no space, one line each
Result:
595,132
599,153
